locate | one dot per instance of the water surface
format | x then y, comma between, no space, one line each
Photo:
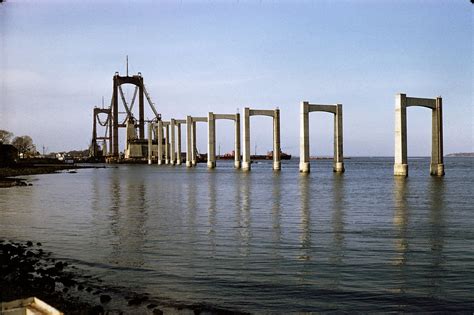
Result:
263,241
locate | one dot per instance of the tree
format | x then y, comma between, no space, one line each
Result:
24,144
5,136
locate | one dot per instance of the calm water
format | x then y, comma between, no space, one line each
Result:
263,241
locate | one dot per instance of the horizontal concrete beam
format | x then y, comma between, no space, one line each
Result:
180,121
322,108
199,119
225,116
423,102
262,112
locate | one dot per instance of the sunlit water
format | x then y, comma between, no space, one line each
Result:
263,241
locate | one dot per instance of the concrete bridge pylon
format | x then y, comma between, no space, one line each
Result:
211,151
400,167
306,108
275,114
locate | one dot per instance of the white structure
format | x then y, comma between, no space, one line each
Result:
306,108
400,167
178,123
275,114
211,144
191,152
159,137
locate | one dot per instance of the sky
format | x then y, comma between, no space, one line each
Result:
58,58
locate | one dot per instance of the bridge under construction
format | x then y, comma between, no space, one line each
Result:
163,142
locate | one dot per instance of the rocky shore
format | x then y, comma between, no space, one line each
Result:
8,174
27,270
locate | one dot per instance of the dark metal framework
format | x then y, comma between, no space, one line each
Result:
136,80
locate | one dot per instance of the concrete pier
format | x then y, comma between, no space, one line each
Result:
189,145
173,142
275,114
167,142
150,141
211,152
211,141
179,122
306,108
400,167
160,142
193,142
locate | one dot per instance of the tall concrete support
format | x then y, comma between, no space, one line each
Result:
211,152
276,141
150,141
173,142
194,145
211,140
179,122
275,114
160,142
237,163
191,154
305,109
167,142
246,135
338,164
189,147
400,167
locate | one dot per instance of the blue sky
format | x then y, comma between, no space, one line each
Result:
58,59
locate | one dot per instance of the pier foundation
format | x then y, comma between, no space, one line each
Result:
400,167
211,152
275,114
306,108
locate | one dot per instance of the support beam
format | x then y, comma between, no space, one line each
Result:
167,143
401,166
211,141
178,147
276,141
275,114
150,141
336,110
194,145
246,135
173,142
189,146
237,163
304,138
437,164
160,142
338,166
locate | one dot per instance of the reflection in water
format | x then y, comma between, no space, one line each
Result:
437,233
212,213
400,219
400,222
128,222
244,216
276,213
305,238
338,249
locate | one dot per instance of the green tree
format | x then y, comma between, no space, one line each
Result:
24,144
5,136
